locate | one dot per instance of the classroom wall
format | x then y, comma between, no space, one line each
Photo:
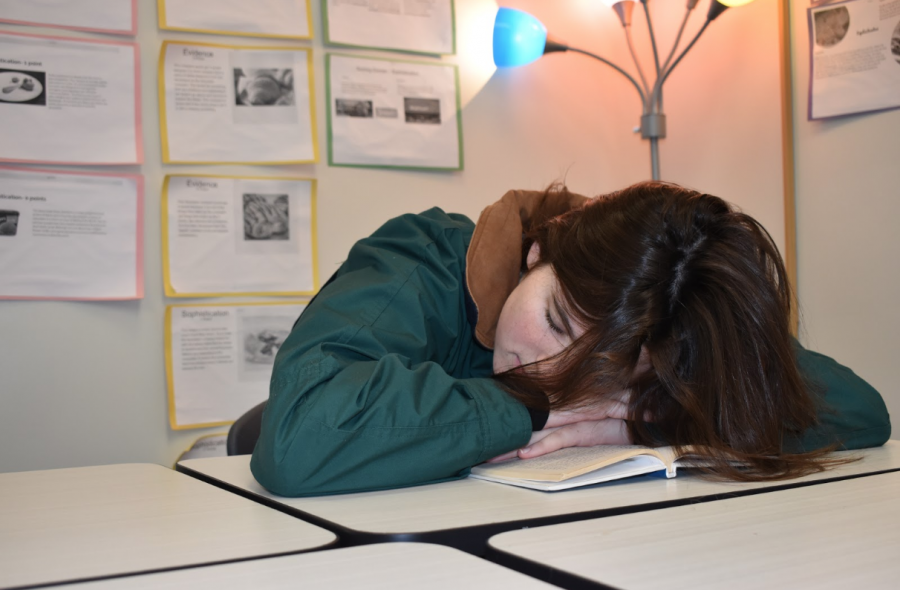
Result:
84,383
848,206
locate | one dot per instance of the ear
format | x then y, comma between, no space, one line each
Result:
643,364
534,254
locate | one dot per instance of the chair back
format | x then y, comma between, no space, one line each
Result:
243,434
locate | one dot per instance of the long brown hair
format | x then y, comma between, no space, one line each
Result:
701,289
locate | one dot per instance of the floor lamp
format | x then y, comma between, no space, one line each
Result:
520,38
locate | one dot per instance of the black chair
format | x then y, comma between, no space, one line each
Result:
243,434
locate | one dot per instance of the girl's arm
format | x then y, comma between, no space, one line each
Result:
852,414
380,383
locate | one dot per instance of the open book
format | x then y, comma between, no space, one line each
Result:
580,466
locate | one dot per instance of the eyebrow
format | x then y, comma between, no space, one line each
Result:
563,316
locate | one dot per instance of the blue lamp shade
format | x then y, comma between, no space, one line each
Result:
519,38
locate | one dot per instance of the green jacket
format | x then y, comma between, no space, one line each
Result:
381,383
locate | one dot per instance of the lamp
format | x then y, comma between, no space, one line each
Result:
520,38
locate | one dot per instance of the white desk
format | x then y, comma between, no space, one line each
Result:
90,522
843,534
465,513
394,566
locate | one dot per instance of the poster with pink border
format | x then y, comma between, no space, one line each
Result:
117,17
70,235
69,101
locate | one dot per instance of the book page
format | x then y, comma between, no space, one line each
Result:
68,101
569,462
102,16
631,467
219,358
393,113
223,104
422,26
231,235
261,18
67,235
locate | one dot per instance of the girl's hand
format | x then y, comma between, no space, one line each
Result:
613,406
586,433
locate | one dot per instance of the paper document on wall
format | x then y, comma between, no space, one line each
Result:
219,358
223,104
239,236
855,57
205,447
422,26
66,235
68,100
102,16
393,113
261,18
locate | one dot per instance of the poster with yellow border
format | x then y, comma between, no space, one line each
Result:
281,19
219,358
239,236
226,104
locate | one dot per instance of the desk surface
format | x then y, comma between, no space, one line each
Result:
843,534
467,512
395,566
89,522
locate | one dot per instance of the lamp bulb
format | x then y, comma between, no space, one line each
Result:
733,3
519,38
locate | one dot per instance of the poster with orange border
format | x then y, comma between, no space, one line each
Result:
117,17
71,235
66,100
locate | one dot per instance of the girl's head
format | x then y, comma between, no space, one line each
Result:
534,324
677,297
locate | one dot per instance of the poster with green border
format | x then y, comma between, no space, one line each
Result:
411,27
393,113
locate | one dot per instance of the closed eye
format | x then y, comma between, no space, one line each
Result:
566,327
553,325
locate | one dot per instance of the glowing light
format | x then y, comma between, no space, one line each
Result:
519,38
474,23
733,3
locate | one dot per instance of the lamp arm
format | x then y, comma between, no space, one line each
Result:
631,79
657,88
637,64
687,15
684,21
652,37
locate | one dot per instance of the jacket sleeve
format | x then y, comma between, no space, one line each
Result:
852,414
380,383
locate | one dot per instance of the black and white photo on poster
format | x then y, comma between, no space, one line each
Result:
266,217
264,86
350,107
260,337
422,110
831,26
9,222
23,87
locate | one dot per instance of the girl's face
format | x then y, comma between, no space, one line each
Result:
533,324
